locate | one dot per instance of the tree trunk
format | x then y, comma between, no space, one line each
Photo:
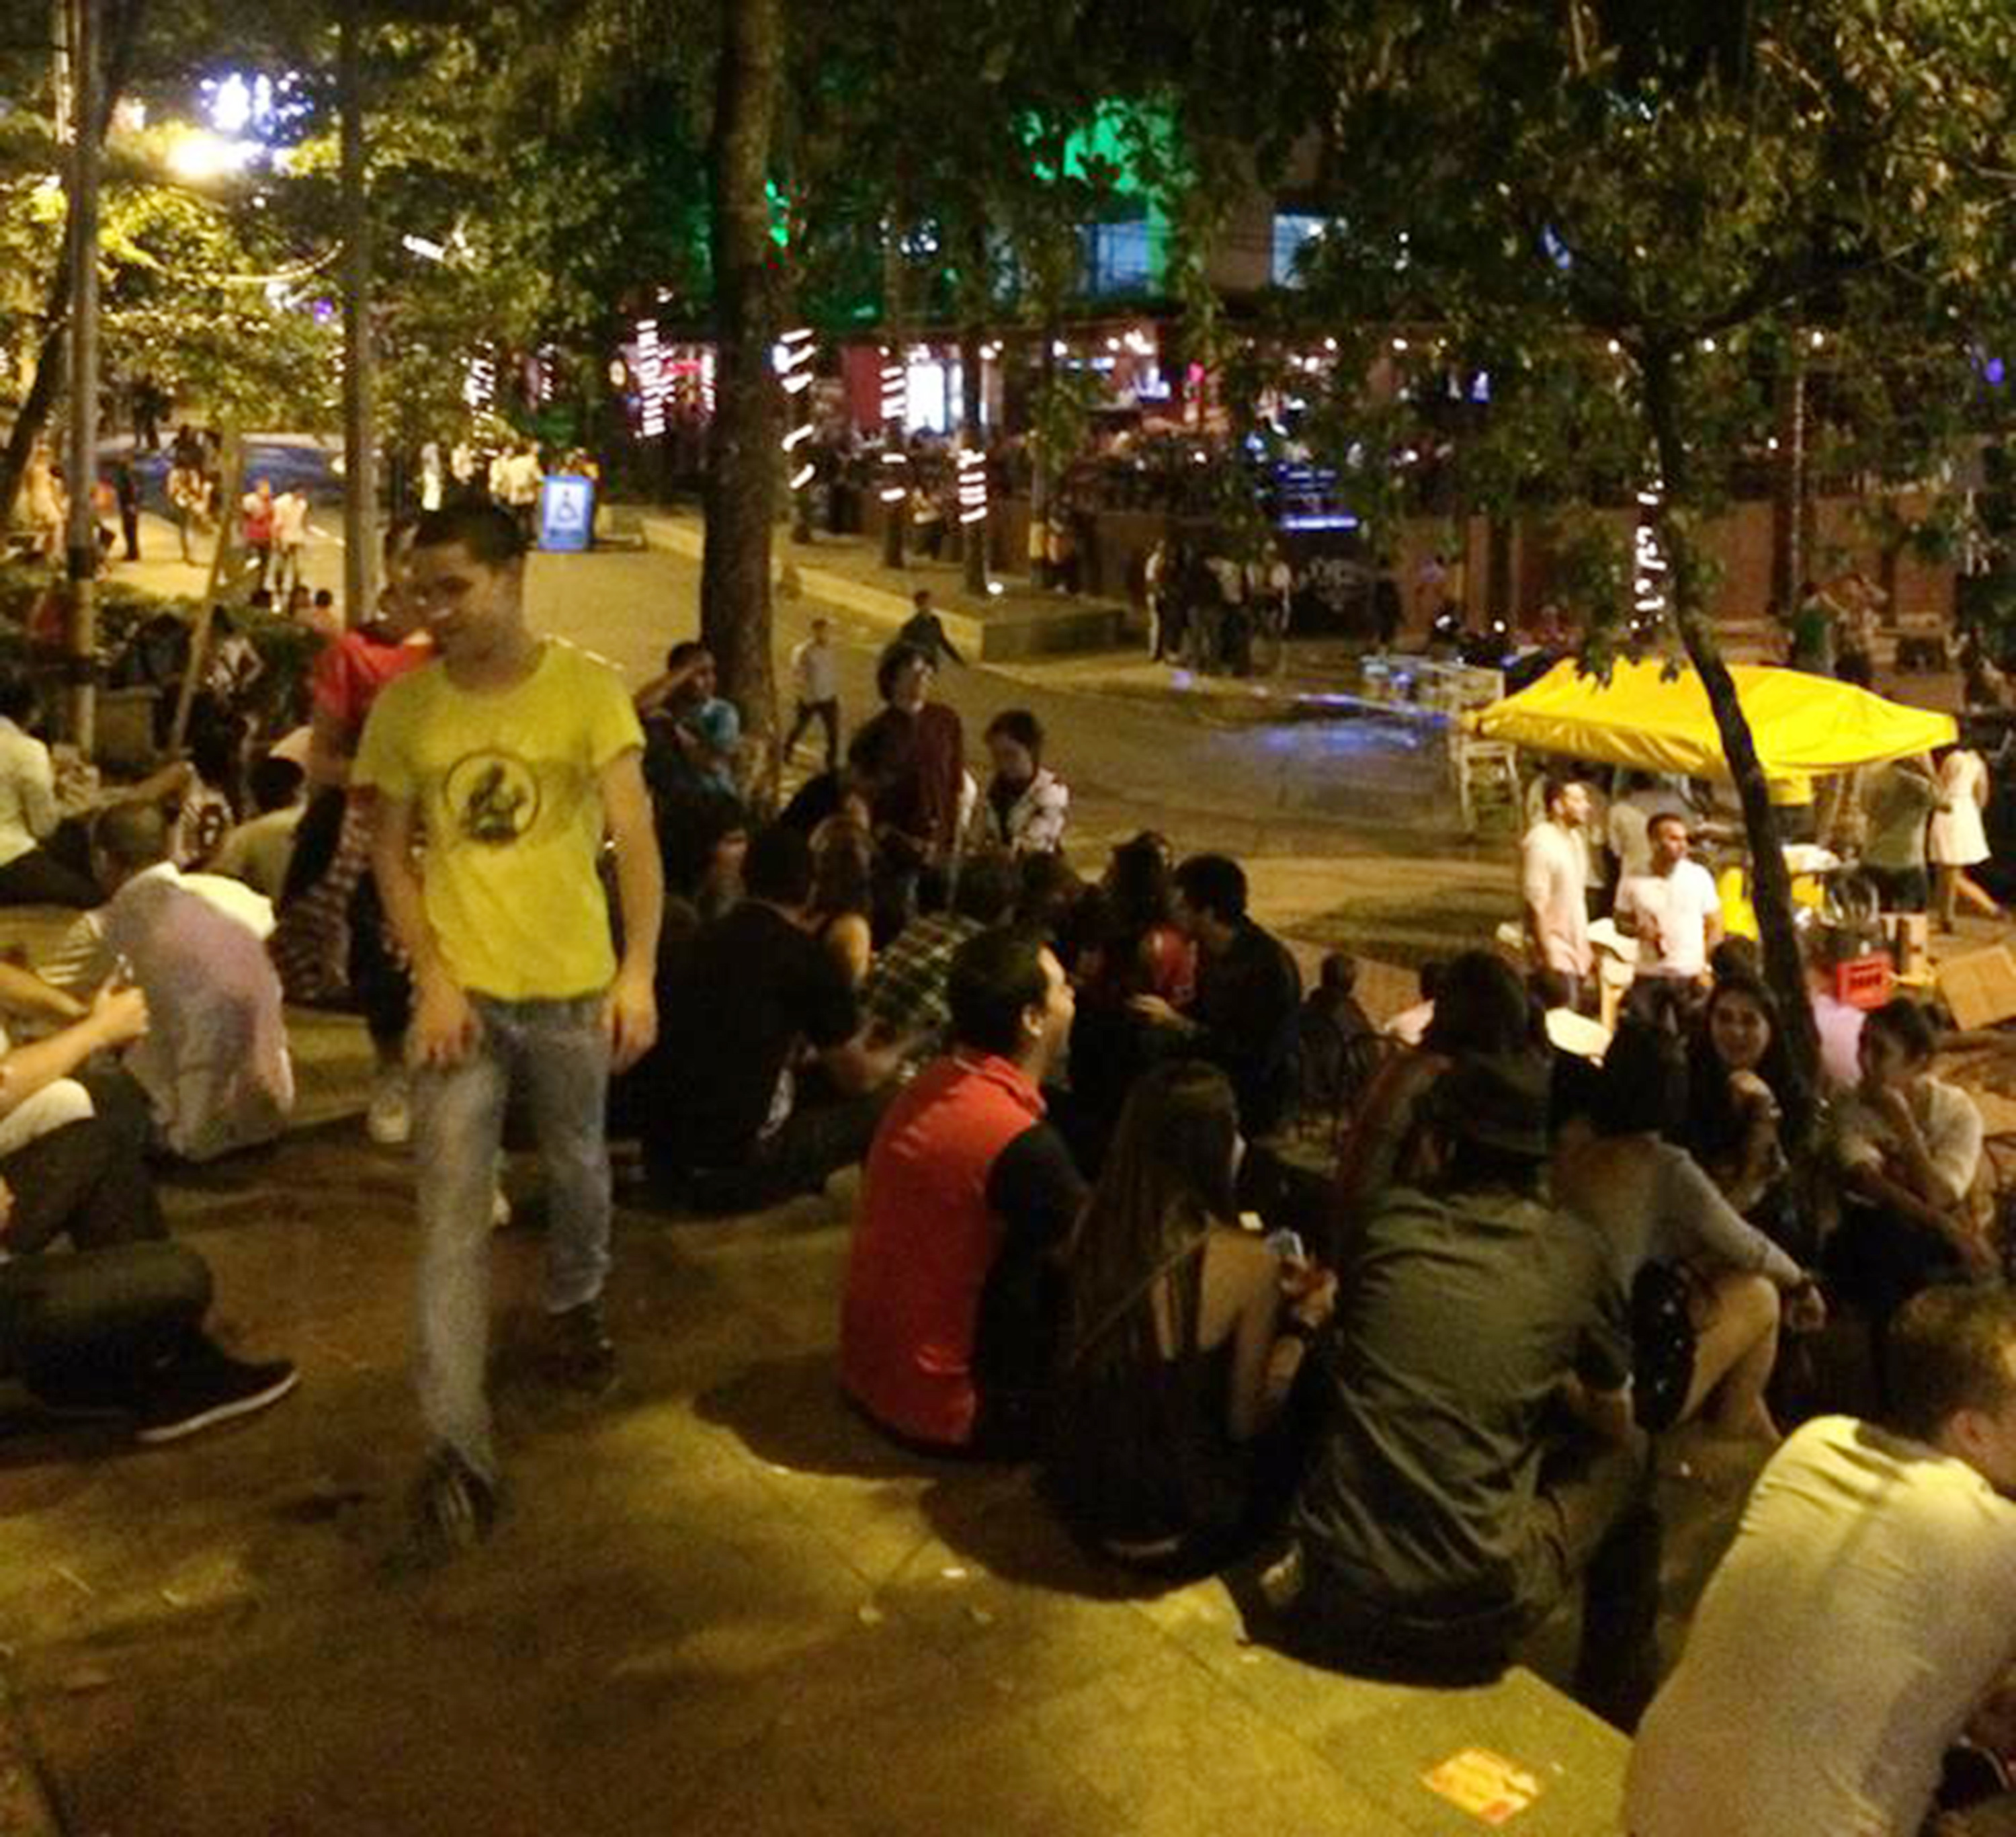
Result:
80,244
122,25
742,440
360,466
1771,885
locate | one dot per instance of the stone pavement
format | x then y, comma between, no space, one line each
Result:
720,1602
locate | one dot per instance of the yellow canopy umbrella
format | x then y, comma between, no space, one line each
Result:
1806,726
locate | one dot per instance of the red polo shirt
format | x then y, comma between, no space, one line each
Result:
924,1241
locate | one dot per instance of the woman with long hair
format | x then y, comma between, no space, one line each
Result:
1656,1207
1183,1337
1745,1102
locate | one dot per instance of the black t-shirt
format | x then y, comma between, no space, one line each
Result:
742,996
1248,1000
1035,1189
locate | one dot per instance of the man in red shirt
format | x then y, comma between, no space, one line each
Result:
945,1329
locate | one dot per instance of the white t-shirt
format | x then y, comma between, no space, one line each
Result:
1676,907
1947,1122
28,792
290,520
1630,818
815,670
1866,1607
1551,869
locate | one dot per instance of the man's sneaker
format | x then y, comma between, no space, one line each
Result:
389,1121
584,1354
455,1509
207,1388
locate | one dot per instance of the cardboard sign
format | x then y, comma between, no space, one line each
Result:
1980,988
1493,1790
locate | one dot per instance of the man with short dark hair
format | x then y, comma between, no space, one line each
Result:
946,1326
743,1001
1453,1500
1865,1610
517,756
1553,878
1673,908
1248,992
923,630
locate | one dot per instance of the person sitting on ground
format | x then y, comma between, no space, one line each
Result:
1745,1102
1908,1146
732,1112
948,1324
1242,1017
206,811
1049,901
1864,1612
843,896
1480,1009
1655,1207
258,851
1554,868
1452,1501
214,1064
30,875
906,997
1335,1039
1185,1335
115,1325
692,733
1410,1026
1027,804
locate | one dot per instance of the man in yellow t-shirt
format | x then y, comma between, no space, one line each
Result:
511,756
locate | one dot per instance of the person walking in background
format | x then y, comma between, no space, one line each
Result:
815,688
256,509
290,536
1958,840
126,492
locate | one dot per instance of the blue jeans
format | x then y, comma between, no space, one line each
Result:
560,1052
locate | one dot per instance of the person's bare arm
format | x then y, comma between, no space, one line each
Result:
663,687
444,1025
632,1009
116,1017
332,745
22,992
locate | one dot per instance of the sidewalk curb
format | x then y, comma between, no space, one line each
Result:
25,1809
1071,629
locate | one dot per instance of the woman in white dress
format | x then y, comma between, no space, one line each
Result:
1958,840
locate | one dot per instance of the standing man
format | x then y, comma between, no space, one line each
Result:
1900,806
1673,908
923,630
1553,871
1866,1610
815,685
516,755
290,536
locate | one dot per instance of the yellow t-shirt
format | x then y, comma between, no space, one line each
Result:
508,791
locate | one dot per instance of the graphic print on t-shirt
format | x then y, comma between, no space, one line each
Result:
493,797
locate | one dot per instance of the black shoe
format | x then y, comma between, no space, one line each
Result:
584,1354
208,1387
455,1509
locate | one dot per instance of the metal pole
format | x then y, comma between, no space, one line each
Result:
82,540
360,475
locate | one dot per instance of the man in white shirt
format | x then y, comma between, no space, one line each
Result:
1865,1611
1630,820
290,536
1553,868
214,1064
29,875
1673,908
816,686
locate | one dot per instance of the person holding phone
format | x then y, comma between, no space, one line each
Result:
1185,1335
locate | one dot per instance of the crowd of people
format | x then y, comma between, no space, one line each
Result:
1416,1402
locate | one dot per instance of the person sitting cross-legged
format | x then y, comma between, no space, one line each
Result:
1478,1461
948,1321
735,1116
114,1322
215,1064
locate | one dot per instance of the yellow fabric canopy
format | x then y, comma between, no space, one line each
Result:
1806,726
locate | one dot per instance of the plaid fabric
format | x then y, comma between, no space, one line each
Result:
906,989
